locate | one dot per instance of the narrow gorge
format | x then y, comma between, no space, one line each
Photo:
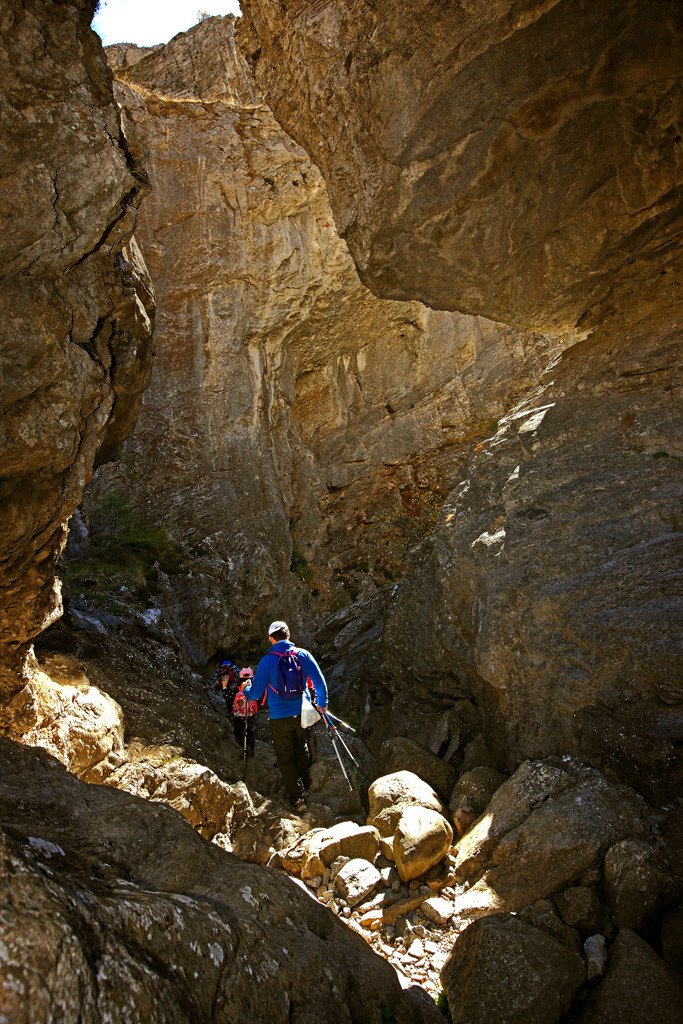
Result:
364,316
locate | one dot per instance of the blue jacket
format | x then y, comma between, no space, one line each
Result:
266,677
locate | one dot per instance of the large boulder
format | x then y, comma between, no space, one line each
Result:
532,784
423,837
639,988
151,922
546,825
404,754
638,883
390,795
316,850
356,880
505,970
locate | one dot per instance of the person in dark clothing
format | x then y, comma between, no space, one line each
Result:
287,734
225,677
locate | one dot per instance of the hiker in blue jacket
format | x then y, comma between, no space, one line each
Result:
277,673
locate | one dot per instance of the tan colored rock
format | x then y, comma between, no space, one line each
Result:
159,905
529,845
390,911
464,816
356,880
638,986
124,55
404,754
386,846
486,606
287,831
438,909
439,129
579,908
532,784
60,711
638,883
505,970
268,343
75,302
390,795
192,789
423,838
319,848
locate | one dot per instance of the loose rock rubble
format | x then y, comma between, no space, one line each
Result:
441,926
556,858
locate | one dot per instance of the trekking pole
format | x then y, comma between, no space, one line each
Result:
334,737
341,721
339,757
244,765
343,743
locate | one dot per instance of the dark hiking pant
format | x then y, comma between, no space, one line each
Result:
238,730
289,743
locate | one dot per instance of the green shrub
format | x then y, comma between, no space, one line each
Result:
442,1005
299,562
125,552
409,522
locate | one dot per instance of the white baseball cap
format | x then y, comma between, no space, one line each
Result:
275,627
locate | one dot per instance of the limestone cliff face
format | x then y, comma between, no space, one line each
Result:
550,583
513,160
525,165
284,394
75,299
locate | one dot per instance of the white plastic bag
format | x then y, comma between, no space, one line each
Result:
309,715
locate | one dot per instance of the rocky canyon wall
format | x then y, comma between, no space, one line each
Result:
285,397
530,170
76,301
290,413
516,160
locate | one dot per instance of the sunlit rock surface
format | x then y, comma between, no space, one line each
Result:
75,299
285,397
130,915
513,160
550,582
546,825
526,165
